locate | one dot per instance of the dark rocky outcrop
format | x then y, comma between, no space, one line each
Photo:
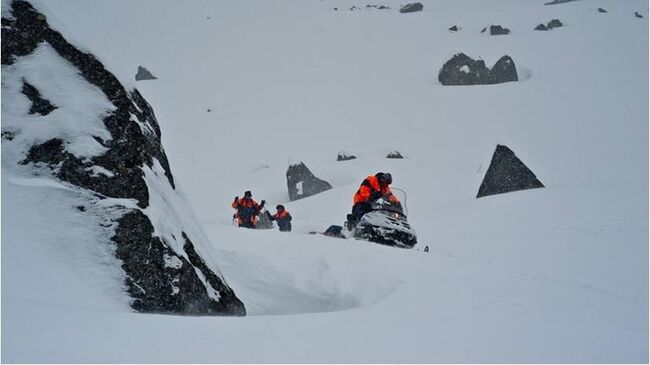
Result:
498,30
555,23
453,29
302,183
464,70
344,156
394,155
144,74
636,14
411,8
379,7
507,173
541,26
39,104
555,2
601,10
158,278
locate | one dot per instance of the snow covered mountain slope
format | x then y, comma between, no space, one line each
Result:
558,274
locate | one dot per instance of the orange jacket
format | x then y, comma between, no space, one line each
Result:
369,187
247,209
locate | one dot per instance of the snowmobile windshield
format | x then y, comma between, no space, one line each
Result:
385,204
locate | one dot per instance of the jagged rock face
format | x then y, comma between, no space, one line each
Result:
158,277
144,74
464,70
411,8
507,173
302,183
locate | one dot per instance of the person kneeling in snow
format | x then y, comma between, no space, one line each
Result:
247,210
282,217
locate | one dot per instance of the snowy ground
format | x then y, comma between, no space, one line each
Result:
549,275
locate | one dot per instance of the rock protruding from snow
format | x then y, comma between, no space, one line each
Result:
39,104
601,10
636,14
498,30
345,156
555,2
453,29
144,74
394,155
302,183
124,139
411,8
555,23
507,173
464,70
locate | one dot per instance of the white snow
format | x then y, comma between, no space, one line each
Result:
558,274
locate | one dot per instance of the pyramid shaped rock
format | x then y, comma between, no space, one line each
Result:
302,183
507,173
144,74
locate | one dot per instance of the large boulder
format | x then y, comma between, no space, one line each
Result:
507,173
112,158
411,8
464,70
302,183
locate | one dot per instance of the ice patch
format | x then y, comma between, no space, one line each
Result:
172,262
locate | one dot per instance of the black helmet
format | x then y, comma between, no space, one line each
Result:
248,194
279,207
384,178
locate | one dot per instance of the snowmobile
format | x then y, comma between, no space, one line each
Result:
385,224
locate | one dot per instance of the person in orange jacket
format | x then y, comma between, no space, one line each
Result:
282,217
372,188
247,210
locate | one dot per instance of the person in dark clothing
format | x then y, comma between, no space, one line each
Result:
247,210
282,217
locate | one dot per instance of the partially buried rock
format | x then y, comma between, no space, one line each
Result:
302,183
344,156
636,14
507,173
601,10
453,29
144,74
394,154
555,23
541,26
464,70
498,30
411,8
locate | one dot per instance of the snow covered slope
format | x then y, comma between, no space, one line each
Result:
558,274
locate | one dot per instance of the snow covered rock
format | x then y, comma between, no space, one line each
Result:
344,156
302,183
507,173
104,142
411,8
144,74
464,70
